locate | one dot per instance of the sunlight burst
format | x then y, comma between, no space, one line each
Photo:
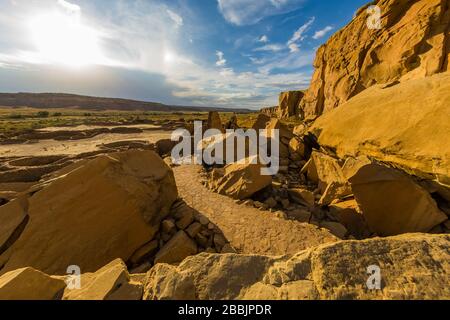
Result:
65,40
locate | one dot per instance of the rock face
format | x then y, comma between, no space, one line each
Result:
395,125
393,203
112,282
413,43
240,181
104,209
30,284
333,271
288,103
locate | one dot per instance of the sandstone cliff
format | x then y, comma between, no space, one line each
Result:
413,43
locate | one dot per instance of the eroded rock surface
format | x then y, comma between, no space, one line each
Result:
413,266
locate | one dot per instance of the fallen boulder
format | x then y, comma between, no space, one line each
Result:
117,201
111,282
240,181
30,284
392,203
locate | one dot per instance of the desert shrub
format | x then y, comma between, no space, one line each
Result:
42,114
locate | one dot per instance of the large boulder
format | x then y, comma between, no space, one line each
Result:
392,203
403,125
288,103
240,181
326,172
412,43
30,284
331,271
103,209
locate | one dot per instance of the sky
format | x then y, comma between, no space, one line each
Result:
221,53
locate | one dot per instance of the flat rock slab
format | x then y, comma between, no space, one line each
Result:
249,230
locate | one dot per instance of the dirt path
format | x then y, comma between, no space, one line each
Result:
249,230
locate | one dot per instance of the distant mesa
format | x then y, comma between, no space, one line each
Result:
64,100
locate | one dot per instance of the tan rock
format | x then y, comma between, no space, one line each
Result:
143,252
112,282
349,215
117,201
335,190
241,181
335,228
318,273
300,130
261,122
288,103
194,229
392,203
401,138
412,43
177,249
302,196
296,149
323,170
214,121
30,284
13,219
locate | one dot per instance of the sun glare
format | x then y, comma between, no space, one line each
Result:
62,39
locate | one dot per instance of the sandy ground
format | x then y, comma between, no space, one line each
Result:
53,147
91,127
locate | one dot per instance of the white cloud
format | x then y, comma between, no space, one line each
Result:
293,47
263,39
299,35
221,61
69,6
247,12
321,33
270,47
176,18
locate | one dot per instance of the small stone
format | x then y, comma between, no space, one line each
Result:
258,204
185,220
194,229
281,215
201,240
300,215
285,203
227,248
211,226
177,249
335,228
210,250
219,240
147,250
271,202
165,237
204,221
168,226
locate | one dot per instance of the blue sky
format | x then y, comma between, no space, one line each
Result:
229,53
